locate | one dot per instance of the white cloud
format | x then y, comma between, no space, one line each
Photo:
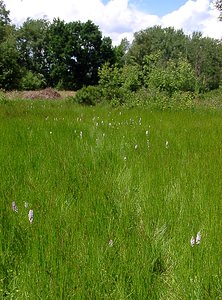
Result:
118,19
197,15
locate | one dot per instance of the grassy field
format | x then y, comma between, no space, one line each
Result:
116,195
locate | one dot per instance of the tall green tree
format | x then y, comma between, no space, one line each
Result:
75,51
10,71
205,55
4,20
31,43
170,42
121,52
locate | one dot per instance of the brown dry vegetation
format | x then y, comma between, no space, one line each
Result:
45,94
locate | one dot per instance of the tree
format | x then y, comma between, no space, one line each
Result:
218,5
169,77
205,55
10,71
31,44
9,66
75,51
170,42
4,20
121,51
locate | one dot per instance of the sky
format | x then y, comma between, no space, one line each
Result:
120,19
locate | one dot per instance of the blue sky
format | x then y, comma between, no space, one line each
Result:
157,7
120,19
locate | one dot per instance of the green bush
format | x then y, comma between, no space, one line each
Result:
182,100
119,84
90,95
170,77
31,81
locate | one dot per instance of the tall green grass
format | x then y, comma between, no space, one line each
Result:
117,195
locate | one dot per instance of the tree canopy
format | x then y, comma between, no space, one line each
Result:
72,55
218,5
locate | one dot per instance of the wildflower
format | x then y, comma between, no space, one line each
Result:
80,134
136,146
198,238
124,157
147,132
31,216
192,241
50,132
14,206
26,204
110,243
167,144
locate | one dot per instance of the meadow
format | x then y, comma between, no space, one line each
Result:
116,197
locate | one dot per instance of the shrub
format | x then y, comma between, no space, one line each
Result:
31,81
171,77
90,95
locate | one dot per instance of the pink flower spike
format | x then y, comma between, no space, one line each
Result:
14,206
110,243
198,238
192,241
31,216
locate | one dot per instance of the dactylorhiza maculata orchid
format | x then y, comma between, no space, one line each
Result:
14,206
195,241
31,216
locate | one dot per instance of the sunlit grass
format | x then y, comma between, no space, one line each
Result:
116,196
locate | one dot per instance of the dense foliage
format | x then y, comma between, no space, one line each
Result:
159,61
56,54
218,5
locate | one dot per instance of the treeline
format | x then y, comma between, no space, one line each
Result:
75,55
40,54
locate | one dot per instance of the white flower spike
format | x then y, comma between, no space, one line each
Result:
31,216
198,238
192,241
